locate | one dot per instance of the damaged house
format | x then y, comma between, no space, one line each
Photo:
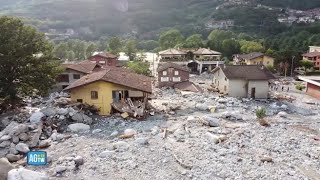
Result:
73,72
247,81
113,90
105,59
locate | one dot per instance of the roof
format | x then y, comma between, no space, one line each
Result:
106,55
311,54
172,52
205,51
83,66
188,86
172,65
248,72
120,76
250,56
315,80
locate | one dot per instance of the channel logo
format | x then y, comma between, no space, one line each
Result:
37,158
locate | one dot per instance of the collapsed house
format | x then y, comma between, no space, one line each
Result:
247,81
113,90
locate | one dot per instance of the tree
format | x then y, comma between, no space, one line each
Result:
130,49
115,45
251,46
148,45
79,48
70,55
194,41
25,60
92,47
139,67
307,64
216,38
230,47
170,39
61,50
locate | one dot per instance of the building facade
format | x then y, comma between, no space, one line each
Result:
255,58
170,74
246,81
313,85
104,59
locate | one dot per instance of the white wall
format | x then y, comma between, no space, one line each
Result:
220,77
262,89
237,88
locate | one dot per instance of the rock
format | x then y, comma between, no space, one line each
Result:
9,128
5,138
23,137
36,137
21,128
25,174
222,100
62,117
15,139
13,158
13,150
212,121
49,111
79,127
155,130
115,133
62,111
82,118
172,113
214,138
191,118
78,160
129,132
5,167
45,143
282,114
201,107
142,141
3,152
54,136
152,113
106,154
266,159
36,117
5,144
21,147
96,131
60,169
283,106
71,111
60,137
121,146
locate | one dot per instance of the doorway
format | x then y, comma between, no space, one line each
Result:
253,93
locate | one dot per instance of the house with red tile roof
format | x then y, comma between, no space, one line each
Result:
105,59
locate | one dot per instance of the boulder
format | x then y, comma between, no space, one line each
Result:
79,127
36,117
142,141
106,154
212,121
96,131
9,128
15,139
129,132
5,144
49,111
78,160
282,114
25,174
21,128
23,137
5,138
60,137
171,113
13,158
201,107
82,118
115,133
3,152
21,147
121,146
62,111
5,167
222,100
60,169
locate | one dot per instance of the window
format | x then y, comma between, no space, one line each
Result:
164,73
76,76
225,79
164,79
80,100
176,79
63,78
94,94
225,88
176,73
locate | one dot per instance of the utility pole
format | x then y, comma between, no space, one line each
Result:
292,65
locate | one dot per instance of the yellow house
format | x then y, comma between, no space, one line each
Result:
254,58
112,87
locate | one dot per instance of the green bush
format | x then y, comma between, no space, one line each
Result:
261,113
300,87
139,67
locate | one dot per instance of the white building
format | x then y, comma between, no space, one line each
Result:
246,81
